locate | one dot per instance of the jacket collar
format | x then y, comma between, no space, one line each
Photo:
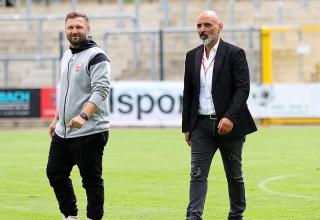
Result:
197,67
84,46
218,60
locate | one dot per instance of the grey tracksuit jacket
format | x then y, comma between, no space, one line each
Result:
85,77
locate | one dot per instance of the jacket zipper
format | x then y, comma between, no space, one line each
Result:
65,99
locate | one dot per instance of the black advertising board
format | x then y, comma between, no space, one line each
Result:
19,103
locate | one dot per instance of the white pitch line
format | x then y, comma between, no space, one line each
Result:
263,185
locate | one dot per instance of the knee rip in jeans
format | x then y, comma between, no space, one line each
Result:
236,179
195,172
231,157
197,142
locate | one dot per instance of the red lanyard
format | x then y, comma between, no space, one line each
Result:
204,68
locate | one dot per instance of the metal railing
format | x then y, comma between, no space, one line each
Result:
231,4
40,54
42,18
7,59
158,33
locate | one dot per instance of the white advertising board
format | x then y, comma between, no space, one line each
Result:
148,103
299,100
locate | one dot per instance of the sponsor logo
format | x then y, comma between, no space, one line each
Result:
78,68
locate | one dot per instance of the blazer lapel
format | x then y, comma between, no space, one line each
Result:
218,61
197,63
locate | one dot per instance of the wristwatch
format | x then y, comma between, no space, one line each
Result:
84,116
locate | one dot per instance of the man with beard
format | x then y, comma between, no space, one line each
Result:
215,114
79,130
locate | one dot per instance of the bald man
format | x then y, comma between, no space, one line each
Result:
215,114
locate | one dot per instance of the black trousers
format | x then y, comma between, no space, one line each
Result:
204,143
86,152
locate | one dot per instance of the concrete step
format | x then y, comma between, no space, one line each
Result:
24,123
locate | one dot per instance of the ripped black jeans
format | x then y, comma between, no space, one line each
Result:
204,143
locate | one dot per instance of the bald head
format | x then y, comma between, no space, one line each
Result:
212,15
209,27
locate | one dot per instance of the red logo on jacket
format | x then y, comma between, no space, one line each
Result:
78,68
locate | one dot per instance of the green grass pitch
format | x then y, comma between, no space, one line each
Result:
146,173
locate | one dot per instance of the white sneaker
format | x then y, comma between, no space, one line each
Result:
72,218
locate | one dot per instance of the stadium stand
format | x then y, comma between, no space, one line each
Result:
22,38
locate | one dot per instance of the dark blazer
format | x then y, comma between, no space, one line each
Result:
230,88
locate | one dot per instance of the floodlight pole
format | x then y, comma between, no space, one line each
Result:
74,5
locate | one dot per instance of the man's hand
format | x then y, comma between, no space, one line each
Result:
52,127
76,122
187,138
225,126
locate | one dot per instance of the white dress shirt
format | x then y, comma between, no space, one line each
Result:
206,106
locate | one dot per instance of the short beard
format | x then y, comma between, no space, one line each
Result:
76,44
206,41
